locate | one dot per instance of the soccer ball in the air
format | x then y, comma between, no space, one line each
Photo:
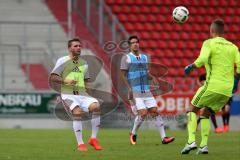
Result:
180,14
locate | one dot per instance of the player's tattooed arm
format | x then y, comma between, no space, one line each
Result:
56,79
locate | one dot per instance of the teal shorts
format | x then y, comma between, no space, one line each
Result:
206,98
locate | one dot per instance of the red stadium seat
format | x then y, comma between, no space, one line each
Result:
171,44
164,10
165,61
179,81
177,27
160,18
166,27
155,35
180,44
138,2
152,44
164,36
188,81
158,27
196,27
110,2
222,3
116,9
213,3
151,18
133,18
139,26
141,18
176,45
188,53
129,2
159,53
122,17
181,72
148,26
193,10
174,35
178,53
145,35
126,9
161,44
155,9
119,2
186,88
211,10
172,72
186,2
169,53
145,9
129,26
220,11
193,36
183,36
185,62
175,62
135,9
208,19
201,11
191,45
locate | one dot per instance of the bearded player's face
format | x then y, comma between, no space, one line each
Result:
75,48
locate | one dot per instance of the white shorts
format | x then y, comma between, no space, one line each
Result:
71,101
143,103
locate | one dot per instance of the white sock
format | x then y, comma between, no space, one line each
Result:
95,121
77,128
137,123
160,126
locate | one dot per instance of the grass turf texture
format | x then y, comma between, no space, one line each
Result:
60,144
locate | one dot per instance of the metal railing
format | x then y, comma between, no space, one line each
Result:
15,65
26,34
100,20
21,40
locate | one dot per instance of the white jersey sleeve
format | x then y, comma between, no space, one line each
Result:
59,67
125,62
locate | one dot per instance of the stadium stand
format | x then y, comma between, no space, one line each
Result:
169,43
172,44
28,30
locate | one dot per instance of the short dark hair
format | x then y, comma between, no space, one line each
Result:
73,40
218,25
132,37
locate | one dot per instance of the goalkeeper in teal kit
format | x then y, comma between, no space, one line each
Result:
218,56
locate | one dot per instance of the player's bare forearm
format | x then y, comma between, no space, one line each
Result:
124,79
54,78
55,82
88,86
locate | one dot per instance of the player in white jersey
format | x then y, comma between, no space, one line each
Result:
70,77
135,74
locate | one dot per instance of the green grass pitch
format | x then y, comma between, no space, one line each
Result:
60,144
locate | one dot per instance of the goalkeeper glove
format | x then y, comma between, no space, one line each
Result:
188,69
235,86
